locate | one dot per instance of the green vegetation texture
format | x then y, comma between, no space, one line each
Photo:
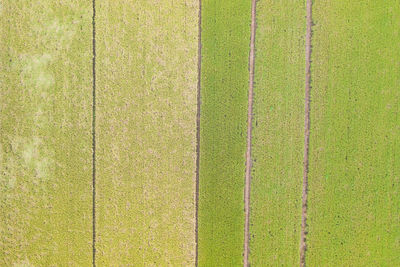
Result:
224,90
45,133
278,134
146,132
145,126
354,182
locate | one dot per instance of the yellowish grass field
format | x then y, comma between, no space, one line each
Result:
146,132
45,133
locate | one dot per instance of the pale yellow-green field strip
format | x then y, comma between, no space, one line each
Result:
146,132
45,133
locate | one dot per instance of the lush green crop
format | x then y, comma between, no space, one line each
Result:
278,134
354,211
146,132
45,133
224,87
145,83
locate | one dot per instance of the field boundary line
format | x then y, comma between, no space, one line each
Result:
249,135
198,138
94,134
303,244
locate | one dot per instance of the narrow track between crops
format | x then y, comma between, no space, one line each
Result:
303,245
94,135
198,139
249,132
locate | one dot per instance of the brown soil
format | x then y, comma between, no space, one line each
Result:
249,131
198,140
303,246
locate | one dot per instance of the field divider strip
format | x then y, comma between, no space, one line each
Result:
303,244
198,139
94,135
249,135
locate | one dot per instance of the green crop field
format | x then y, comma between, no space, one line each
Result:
278,130
224,86
132,131
355,135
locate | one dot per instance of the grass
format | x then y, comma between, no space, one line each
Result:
45,135
224,87
146,132
278,134
354,144
146,114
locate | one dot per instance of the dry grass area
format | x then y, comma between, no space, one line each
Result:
146,132
45,133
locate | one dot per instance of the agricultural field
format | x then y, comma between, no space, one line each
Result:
224,89
45,133
354,182
199,133
146,105
278,133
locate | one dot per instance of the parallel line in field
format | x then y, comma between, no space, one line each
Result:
303,245
249,132
94,135
198,138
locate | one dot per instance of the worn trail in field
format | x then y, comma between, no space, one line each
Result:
198,115
146,103
45,135
353,207
94,133
249,135
303,243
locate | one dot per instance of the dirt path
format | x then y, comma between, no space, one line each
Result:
94,135
303,246
249,131
198,140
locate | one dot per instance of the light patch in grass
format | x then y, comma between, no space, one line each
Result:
24,263
35,73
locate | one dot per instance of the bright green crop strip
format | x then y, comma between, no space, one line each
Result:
278,133
224,87
354,182
45,133
146,132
